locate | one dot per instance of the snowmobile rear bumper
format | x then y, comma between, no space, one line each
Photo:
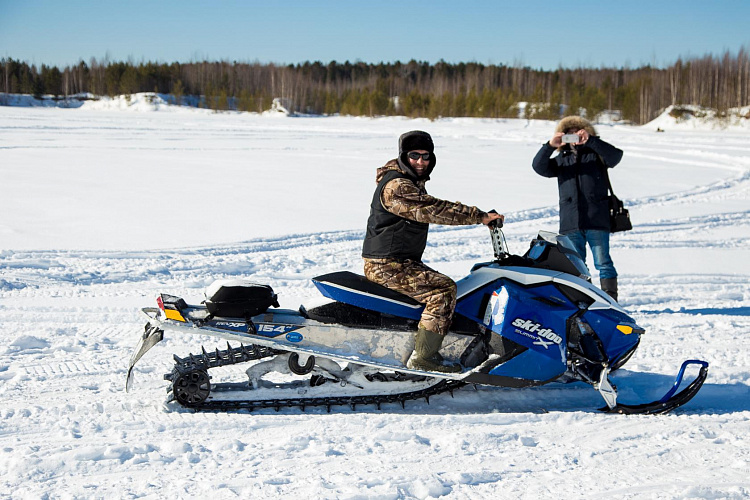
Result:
670,400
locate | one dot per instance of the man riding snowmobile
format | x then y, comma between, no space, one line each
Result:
400,214
519,321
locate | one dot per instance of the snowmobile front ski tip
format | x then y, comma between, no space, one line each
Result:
670,400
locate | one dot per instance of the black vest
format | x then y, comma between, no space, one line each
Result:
391,236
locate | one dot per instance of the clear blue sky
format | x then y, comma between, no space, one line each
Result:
540,34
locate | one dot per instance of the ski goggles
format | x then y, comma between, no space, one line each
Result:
413,155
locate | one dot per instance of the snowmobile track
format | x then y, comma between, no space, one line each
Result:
194,368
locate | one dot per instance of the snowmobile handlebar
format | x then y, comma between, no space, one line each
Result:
499,246
497,223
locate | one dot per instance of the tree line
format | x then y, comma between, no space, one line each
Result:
414,89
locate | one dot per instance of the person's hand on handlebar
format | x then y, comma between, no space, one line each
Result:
492,216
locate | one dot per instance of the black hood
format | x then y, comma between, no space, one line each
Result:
411,141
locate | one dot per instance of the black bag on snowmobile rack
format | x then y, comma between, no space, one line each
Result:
239,298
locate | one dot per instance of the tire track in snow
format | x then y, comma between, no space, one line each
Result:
719,190
60,369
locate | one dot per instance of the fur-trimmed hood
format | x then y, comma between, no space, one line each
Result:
575,122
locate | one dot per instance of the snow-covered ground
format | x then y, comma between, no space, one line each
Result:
101,209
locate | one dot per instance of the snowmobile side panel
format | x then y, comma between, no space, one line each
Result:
530,365
474,305
513,313
516,314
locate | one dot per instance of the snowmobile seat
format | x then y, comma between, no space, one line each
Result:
362,303
355,289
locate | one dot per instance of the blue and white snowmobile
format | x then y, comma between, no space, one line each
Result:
520,321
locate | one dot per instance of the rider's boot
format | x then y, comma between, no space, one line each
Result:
425,355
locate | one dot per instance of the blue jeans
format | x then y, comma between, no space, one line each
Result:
598,240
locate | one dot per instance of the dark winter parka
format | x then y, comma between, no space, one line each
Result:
581,179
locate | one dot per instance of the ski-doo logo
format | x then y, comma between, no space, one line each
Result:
528,326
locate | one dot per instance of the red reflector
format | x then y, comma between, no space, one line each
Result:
160,302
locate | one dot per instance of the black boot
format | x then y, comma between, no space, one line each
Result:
426,357
609,286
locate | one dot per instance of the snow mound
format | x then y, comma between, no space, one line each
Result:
25,342
45,101
143,101
279,107
692,117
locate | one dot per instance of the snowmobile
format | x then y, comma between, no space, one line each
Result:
520,321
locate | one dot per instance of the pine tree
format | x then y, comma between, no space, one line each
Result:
178,91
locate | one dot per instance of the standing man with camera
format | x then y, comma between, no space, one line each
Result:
401,212
580,168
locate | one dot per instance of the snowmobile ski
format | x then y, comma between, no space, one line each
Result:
670,400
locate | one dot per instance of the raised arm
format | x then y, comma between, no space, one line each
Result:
609,154
543,164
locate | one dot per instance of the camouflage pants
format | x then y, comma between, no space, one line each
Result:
436,291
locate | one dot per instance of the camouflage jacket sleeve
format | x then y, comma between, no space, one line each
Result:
404,198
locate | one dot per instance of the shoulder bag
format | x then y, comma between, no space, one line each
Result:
619,216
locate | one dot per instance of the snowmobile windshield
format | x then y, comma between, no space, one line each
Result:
555,251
